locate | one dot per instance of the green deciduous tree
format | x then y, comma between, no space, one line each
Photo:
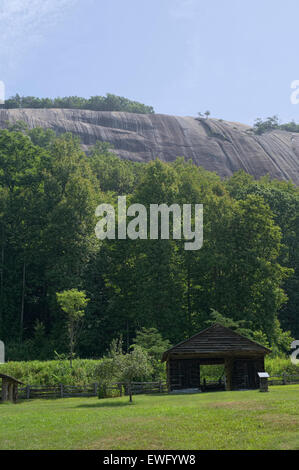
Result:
151,341
247,268
73,303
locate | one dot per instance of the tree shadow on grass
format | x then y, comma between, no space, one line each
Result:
106,404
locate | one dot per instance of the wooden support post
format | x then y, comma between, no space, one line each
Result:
120,390
199,375
61,390
4,390
228,364
95,387
15,393
168,376
10,392
263,384
28,392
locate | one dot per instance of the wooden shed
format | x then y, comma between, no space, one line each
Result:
241,357
9,388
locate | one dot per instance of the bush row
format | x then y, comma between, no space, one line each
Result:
84,371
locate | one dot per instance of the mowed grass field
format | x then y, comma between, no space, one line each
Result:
221,420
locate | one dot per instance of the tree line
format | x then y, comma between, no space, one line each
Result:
273,123
246,274
109,102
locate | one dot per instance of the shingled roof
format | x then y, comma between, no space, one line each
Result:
10,379
216,339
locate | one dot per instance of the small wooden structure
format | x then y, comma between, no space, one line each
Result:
263,376
241,357
9,388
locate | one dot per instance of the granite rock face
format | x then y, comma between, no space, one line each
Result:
216,145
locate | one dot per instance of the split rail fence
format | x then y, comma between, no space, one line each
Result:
283,379
69,391
118,389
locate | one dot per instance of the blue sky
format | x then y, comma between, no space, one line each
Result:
235,58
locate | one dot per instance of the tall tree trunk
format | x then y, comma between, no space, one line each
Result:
71,344
23,301
128,337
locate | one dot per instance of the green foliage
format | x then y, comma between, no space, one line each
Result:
73,303
242,327
281,340
277,366
109,102
18,126
261,338
106,392
283,200
291,126
247,268
84,372
120,367
151,341
272,123
88,371
42,137
112,173
237,326
268,124
134,366
206,114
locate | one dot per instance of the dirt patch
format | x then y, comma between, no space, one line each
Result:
279,420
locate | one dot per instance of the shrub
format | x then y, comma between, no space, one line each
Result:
84,372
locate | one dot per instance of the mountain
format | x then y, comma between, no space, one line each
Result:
214,144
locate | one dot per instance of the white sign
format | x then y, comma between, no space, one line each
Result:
263,375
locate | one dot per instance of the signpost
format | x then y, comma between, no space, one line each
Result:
263,381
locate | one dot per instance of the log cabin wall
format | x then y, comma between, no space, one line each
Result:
240,373
245,373
183,373
9,388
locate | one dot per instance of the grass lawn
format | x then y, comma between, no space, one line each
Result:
220,420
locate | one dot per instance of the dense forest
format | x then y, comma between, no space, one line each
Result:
109,102
246,272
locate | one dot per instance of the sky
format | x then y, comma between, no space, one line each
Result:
234,58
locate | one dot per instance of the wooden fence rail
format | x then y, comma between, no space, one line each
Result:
57,391
69,391
283,379
117,389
